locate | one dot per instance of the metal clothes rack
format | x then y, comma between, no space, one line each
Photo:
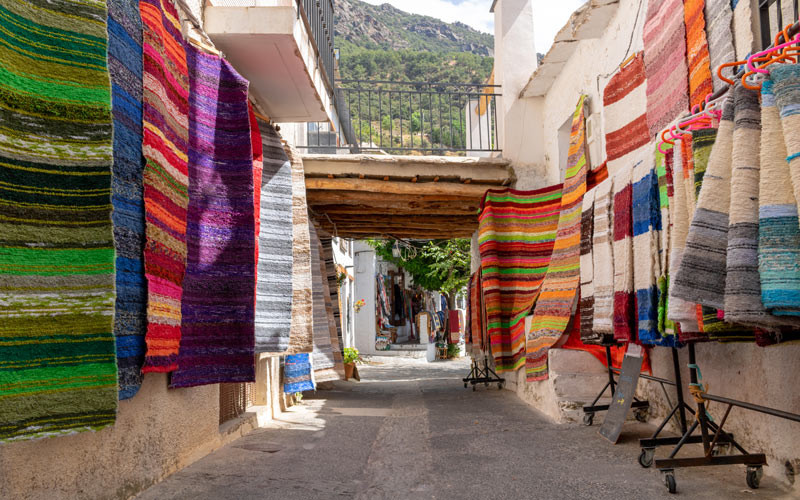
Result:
712,435
482,375
640,407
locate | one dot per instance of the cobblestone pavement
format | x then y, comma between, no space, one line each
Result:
410,430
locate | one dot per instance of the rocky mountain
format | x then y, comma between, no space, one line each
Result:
385,27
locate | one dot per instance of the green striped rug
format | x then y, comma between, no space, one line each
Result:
57,362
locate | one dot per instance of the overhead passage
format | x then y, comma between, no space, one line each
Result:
413,197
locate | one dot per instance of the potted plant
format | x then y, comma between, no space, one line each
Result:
351,357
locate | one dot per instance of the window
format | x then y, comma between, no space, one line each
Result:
773,16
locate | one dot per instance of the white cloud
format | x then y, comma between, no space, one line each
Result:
474,13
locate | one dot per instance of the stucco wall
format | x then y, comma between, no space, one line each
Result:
364,263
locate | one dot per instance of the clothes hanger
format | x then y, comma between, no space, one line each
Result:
779,53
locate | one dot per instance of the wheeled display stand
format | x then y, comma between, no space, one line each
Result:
482,375
712,436
640,407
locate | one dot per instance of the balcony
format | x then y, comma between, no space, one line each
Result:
284,48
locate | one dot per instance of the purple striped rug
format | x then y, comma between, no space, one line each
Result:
217,339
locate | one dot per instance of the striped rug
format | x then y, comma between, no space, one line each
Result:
332,274
719,18
301,329
298,374
587,271
603,262
624,317
322,355
130,311
58,371
626,137
165,146
559,290
700,84
258,171
217,330
778,225
665,63
274,277
331,305
786,86
646,249
516,232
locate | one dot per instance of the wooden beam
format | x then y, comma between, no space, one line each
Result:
428,209
420,188
337,197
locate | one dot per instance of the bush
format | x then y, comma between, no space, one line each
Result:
351,355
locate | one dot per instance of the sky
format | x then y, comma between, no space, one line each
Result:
549,16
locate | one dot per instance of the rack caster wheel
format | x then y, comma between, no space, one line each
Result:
500,387
721,449
669,481
474,388
486,384
640,415
646,457
465,385
754,477
588,419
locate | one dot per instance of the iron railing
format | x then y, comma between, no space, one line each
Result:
318,15
773,15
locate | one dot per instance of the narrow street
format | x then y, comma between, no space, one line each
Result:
410,430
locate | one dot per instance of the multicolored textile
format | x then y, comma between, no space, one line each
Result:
274,277
454,326
778,225
624,294
477,316
701,275
786,86
603,259
666,193
702,142
165,147
130,310
322,355
332,275
258,171
626,138
331,297
718,19
301,333
559,290
58,371
587,271
218,306
665,63
516,232
700,84
297,374
646,247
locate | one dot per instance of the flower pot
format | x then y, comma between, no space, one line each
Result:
348,370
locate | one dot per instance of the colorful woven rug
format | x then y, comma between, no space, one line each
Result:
718,19
301,330
130,311
624,318
58,371
516,232
778,225
559,290
665,63
702,143
646,248
666,192
322,355
786,86
165,148
700,84
603,259
477,317
218,306
297,374
258,173
587,271
332,278
274,278
331,302
701,275
626,138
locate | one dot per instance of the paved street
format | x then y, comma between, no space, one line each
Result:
410,430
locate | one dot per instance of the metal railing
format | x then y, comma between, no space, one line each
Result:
418,117
319,18
773,15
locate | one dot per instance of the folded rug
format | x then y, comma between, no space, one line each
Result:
701,275
58,372
665,63
218,305
322,355
646,242
516,233
297,374
301,336
718,19
603,258
778,226
624,294
742,282
274,278
786,86
626,138
559,290
165,147
697,51
130,309
330,284
587,271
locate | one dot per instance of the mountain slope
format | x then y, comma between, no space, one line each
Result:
385,27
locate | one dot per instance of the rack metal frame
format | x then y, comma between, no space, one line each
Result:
640,407
482,375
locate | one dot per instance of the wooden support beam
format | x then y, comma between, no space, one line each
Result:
420,188
336,197
398,209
